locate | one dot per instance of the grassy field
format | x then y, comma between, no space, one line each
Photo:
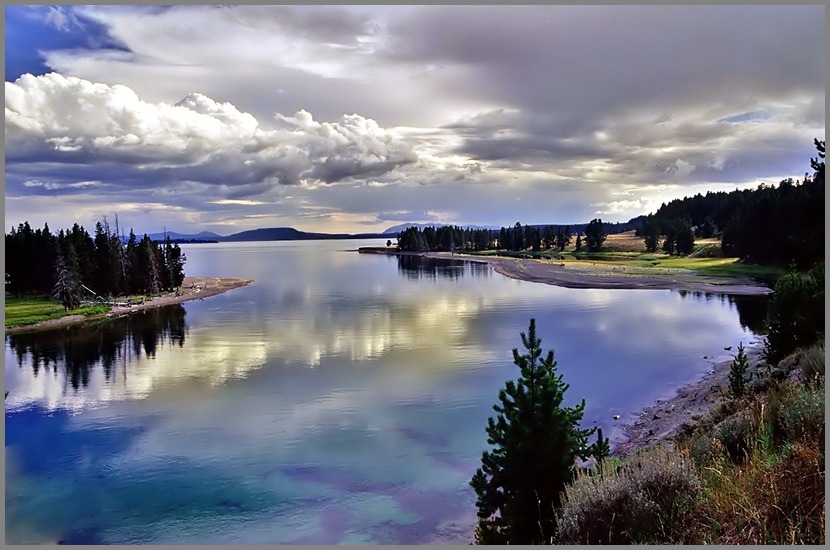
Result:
626,249
29,310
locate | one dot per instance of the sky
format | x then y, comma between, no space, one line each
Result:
358,118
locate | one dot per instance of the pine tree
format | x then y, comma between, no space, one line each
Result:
595,235
536,441
66,289
737,373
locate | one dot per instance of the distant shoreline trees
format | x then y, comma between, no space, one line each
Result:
38,261
779,225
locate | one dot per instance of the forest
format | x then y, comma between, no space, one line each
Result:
107,264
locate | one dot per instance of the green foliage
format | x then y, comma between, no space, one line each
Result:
595,235
42,263
650,231
795,315
680,237
770,225
737,373
649,499
536,441
20,311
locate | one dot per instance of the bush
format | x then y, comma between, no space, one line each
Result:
812,362
650,499
795,315
801,414
736,434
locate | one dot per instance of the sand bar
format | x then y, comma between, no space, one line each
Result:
601,275
193,288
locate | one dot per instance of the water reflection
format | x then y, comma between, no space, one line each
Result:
340,398
420,267
80,348
752,310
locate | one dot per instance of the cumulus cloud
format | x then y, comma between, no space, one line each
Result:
60,121
487,114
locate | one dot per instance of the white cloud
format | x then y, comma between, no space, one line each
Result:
406,107
57,119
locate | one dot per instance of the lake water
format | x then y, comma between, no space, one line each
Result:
340,398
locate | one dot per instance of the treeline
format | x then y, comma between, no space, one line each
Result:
450,238
771,225
38,261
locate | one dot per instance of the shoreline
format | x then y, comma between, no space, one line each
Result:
598,276
663,420
193,288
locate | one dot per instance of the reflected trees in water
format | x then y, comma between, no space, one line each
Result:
81,348
416,267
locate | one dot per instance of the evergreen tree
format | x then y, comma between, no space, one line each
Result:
578,245
66,289
737,373
684,238
536,442
650,231
548,238
595,235
563,238
518,237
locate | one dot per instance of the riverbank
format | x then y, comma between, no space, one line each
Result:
599,275
193,288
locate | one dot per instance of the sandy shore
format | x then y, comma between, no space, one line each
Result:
193,288
611,276
664,420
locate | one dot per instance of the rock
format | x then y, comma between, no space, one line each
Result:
727,348
656,417
616,417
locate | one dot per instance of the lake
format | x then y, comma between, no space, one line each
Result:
339,398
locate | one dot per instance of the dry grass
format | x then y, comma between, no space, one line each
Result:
762,468
751,471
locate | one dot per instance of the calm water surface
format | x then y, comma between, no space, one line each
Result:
340,398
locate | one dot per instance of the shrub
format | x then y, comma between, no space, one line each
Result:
801,414
795,315
737,373
736,434
649,499
812,362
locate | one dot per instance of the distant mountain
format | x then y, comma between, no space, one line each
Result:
291,234
398,228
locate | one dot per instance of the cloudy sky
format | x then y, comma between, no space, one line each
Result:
355,118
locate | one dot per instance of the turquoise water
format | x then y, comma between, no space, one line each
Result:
340,398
